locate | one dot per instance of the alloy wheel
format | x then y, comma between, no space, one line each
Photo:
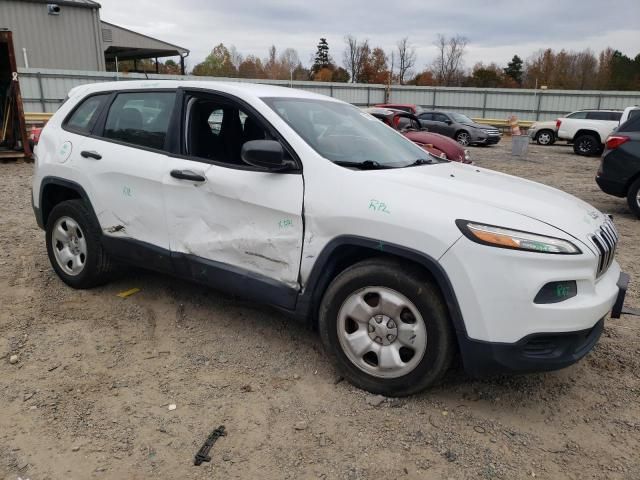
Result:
585,146
381,332
463,138
544,138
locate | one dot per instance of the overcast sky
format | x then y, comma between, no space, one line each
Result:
496,29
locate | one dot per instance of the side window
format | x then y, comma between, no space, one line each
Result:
578,115
140,118
438,117
426,116
615,116
599,116
85,115
216,130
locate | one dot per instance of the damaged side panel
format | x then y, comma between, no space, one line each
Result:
246,219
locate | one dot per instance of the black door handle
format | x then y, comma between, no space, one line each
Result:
91,154
187,175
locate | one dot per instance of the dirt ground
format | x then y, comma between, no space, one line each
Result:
89,395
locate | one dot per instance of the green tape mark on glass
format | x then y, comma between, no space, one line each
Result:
285,223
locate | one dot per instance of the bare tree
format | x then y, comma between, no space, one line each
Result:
448,64
290,60
236,57
355,56
406,59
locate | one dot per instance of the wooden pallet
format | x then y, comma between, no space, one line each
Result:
11,155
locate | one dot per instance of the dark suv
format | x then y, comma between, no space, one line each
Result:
459,127
619,172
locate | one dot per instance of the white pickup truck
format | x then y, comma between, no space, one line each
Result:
588,129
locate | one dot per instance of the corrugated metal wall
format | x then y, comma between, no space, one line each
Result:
71,40
44,90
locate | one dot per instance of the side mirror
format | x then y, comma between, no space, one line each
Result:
448,122
266,154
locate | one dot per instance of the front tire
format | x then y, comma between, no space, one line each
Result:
387,328
633,197
74,248
586,145
463,138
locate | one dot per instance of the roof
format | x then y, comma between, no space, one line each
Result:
67,3
126,44
240,89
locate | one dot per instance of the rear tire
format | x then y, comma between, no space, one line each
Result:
633,197
545,137
74,247
587,145
387,327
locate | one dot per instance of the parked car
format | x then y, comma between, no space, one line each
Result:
405,107
619,172
460,127
399,259
543,133
588,129
409,125
629,113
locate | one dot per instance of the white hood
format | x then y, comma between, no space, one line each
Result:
482,186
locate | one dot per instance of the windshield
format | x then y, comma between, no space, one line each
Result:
343,133
458,117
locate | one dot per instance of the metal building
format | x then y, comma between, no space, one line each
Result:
69,35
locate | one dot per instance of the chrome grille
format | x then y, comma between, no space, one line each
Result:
605,240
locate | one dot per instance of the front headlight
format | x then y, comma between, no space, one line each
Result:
515,239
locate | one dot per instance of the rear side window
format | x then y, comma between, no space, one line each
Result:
85,115
140,118
579,115
426,116
611,116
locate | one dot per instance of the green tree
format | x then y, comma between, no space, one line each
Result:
340,75
514,69
217,64
322,58
485,76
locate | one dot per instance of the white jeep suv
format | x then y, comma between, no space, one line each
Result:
401,260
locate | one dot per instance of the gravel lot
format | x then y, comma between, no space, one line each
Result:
95,374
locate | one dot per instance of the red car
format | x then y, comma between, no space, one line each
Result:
409,125
405,107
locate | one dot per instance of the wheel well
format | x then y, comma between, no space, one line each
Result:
52,195
460,130
588,132
344,256
545,130
630,182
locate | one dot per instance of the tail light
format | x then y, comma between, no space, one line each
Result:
614,141
558,123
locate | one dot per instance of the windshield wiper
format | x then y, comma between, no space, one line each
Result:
421,161
366,165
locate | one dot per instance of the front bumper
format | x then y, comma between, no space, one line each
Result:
489,140
611,187
538,352
534,353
